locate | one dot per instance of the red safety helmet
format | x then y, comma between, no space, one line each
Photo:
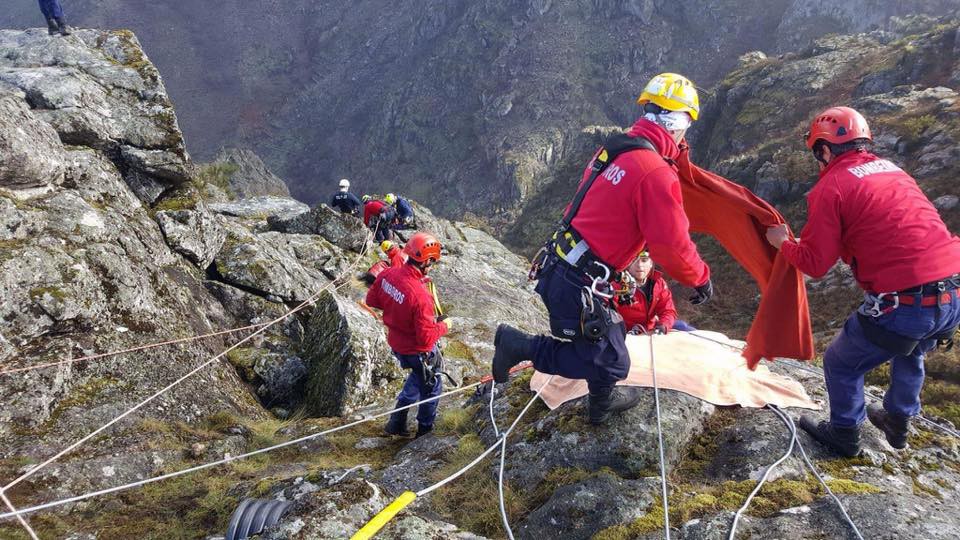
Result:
423,248
838,125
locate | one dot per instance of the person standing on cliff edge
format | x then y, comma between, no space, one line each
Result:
53,12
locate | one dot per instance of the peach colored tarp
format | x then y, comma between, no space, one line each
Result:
704,369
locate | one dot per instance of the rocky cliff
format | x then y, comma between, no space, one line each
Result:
464,105
110,237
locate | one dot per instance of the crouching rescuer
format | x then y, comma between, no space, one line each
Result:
870,213
414,326
629,198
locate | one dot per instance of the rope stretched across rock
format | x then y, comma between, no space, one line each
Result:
310,301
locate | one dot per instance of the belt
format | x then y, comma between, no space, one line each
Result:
934,287
926,300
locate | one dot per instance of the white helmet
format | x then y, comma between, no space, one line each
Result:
344,183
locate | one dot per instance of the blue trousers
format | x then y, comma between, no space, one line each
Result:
851,355
415,389
51,9
602,364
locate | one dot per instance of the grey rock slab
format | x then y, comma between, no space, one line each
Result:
289,267
261,207
251,177
581,510
349,362
627,444
31,154
342,230
195,234
946,202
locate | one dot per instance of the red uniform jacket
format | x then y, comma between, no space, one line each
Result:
372,209
649,312
636,202
397,256
408,309
868,212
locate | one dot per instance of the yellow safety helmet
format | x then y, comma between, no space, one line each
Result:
672,92
386,245
390,198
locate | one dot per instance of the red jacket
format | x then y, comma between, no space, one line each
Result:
648,314
868,212
408,309
637,202
397,256
371,209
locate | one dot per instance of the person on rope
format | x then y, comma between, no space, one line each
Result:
644,299
871,214
53,13
414,326
405,216
378,215
344,201
629,198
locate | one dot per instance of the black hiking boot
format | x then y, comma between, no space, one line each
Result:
64,29
843,440
52,27
607,400
397,425
423,430
512,347
892,425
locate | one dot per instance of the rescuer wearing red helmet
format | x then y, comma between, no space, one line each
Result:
871,214
414,326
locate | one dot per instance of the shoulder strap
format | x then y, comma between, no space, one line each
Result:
614,146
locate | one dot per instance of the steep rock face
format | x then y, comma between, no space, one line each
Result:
462,105
97,89
248,176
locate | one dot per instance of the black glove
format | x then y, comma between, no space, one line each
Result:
636,330
704,293
660,329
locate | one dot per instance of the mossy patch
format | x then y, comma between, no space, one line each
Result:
689,502
54,292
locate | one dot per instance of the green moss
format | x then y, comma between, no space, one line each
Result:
39,292
688,502
217,174
456,420
184,200
921,489
81,396
457,349
243,359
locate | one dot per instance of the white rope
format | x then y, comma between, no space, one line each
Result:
793,438
663,470
20,518
224,460
503,453
165,389
813,469
493,420
486,452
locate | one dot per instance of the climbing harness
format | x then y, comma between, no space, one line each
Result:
306,303
225,460
381,519
663,470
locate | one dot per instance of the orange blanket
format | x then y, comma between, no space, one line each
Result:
738,219
685,363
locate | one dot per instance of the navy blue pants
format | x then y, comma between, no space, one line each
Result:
415,389
603,363
51,9
851,355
